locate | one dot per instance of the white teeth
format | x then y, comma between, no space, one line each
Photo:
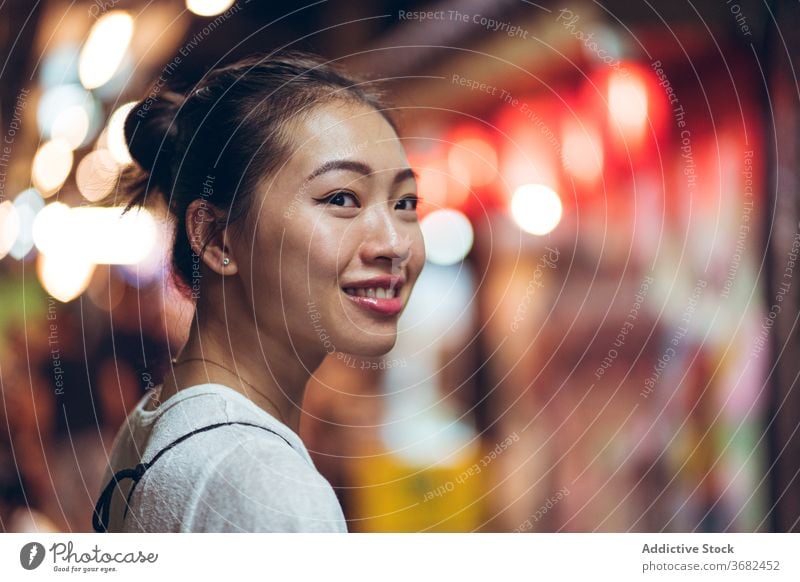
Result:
374,292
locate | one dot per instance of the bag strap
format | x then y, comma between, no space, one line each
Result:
100,518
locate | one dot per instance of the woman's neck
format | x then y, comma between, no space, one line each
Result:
265,370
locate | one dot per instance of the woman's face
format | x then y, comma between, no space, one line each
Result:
338,246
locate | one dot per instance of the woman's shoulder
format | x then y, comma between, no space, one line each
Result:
266,456
219,463
244,447
208,418
265,485
220,448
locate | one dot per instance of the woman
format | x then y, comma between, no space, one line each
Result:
296,236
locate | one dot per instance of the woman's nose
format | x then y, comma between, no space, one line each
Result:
383,237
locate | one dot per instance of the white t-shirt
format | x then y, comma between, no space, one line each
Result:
231,478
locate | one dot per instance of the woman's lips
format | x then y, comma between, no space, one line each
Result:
391,306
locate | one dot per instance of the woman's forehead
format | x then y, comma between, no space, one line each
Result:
338,131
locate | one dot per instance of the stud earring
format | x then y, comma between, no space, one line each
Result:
226,261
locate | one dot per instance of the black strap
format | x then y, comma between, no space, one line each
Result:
103,507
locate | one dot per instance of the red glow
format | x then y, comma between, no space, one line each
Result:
475,159
628,104
438,186
582,151
531,147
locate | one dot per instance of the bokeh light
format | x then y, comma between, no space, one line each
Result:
115,134
51,165
60,66
536,208
105,48
96,174
97,235
627,103
57,114
63,275
27,205
208,7
71,125
582,151
9,226
448,236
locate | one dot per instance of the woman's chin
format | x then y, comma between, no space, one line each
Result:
372,346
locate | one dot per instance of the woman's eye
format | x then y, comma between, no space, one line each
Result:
340,199
410,202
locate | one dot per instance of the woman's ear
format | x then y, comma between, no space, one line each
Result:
207,225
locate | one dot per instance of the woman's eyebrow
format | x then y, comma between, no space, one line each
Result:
404,174
359,167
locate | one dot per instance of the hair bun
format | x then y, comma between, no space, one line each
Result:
151,131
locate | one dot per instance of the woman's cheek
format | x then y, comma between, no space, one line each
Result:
419,254
333,245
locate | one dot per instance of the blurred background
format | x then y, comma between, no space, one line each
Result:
603,338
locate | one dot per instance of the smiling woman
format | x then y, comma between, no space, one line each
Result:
297,236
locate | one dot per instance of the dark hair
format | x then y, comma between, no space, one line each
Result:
234,125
